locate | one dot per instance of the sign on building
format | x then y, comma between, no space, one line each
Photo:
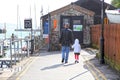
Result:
54,23
27,23
45,29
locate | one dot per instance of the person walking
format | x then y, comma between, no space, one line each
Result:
66,39
77,49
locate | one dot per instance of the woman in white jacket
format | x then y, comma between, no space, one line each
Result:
77,49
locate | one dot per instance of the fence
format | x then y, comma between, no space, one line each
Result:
17,50
14,52
95,35
111,42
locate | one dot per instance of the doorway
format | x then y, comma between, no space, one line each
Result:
76,25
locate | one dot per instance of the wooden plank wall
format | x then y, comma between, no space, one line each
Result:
95,35
111,41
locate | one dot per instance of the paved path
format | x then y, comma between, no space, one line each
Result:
48,66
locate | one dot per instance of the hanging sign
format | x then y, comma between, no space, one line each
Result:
27,23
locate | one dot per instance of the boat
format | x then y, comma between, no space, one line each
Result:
113,15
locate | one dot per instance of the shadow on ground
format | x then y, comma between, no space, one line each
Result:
78,75
46,53
52,66
57,65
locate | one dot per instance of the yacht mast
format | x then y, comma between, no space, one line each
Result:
5,29
17,15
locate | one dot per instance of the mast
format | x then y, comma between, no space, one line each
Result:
17,15
35,16
5,29
35,21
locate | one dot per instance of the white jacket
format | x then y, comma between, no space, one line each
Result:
76,46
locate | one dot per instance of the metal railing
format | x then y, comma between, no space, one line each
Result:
18,50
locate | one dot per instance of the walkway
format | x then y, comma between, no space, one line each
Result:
48,66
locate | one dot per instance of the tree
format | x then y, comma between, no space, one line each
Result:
116,3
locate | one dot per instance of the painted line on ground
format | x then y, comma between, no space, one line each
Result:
26,69
94,74
100,73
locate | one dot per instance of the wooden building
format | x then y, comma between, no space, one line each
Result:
79,19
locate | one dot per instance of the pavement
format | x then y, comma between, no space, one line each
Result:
102,71
47,66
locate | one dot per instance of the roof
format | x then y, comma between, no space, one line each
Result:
73,6
93,5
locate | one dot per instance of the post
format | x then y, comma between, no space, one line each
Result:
28,48
18,51
21,49
15,54
10,53
102,34
32,41
49,28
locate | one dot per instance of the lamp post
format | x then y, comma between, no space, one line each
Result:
102,34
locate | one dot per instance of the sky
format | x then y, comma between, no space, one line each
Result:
13,10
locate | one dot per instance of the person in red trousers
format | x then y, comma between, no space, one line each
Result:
77,48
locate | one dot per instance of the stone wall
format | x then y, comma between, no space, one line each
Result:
55,32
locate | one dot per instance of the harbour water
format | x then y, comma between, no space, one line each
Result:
11,29
18,34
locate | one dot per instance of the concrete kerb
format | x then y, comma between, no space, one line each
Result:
98,75
103,70
93,69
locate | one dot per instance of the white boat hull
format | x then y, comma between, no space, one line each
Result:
113,16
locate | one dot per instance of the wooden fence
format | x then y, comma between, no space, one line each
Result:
95,35
111,42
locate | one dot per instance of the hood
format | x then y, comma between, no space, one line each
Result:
76,41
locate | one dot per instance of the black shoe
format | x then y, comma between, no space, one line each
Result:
77,61
62,60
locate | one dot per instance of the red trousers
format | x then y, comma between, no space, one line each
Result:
76,56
